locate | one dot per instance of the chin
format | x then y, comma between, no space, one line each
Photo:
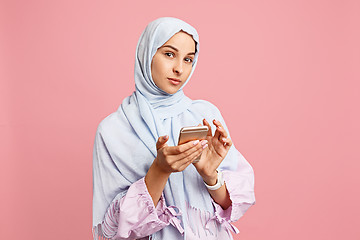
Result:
172,90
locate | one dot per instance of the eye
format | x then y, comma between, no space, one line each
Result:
169,54
189,60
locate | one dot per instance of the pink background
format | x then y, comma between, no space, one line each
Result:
285,75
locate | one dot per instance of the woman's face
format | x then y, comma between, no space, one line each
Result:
172,62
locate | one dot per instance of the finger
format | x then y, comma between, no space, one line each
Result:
181,158
220,131
184,163
208,125
229,144
161,142
226,142
199,147
176,150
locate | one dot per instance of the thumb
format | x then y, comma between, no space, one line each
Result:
162,142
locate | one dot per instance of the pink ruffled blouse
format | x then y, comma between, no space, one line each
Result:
135,216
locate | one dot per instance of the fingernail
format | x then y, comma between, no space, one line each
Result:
224,139
204,142
205,146
165,137
196,142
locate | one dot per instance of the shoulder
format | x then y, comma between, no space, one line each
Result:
114,131
113,123
107,122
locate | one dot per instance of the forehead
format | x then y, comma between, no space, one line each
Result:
182,40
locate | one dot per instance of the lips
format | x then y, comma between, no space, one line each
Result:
174,81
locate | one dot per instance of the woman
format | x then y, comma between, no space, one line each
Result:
145,186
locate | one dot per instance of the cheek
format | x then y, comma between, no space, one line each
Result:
155,69
159,67
188,71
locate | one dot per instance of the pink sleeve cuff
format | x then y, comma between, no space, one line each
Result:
135,215
241,195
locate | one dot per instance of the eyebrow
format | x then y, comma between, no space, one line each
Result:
192,53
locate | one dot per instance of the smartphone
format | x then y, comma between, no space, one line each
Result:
193,133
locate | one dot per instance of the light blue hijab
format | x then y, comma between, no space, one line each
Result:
125,142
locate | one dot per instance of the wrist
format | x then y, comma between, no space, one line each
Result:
219,183
156,167
211,179
155,180
156,175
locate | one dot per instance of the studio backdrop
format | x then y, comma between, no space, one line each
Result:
285,75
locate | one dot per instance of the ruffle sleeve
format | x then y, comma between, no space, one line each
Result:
240,185
135,216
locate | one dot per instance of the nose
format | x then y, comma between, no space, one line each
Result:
178,67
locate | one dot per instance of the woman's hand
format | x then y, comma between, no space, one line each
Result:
168,160
211,157
176,158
